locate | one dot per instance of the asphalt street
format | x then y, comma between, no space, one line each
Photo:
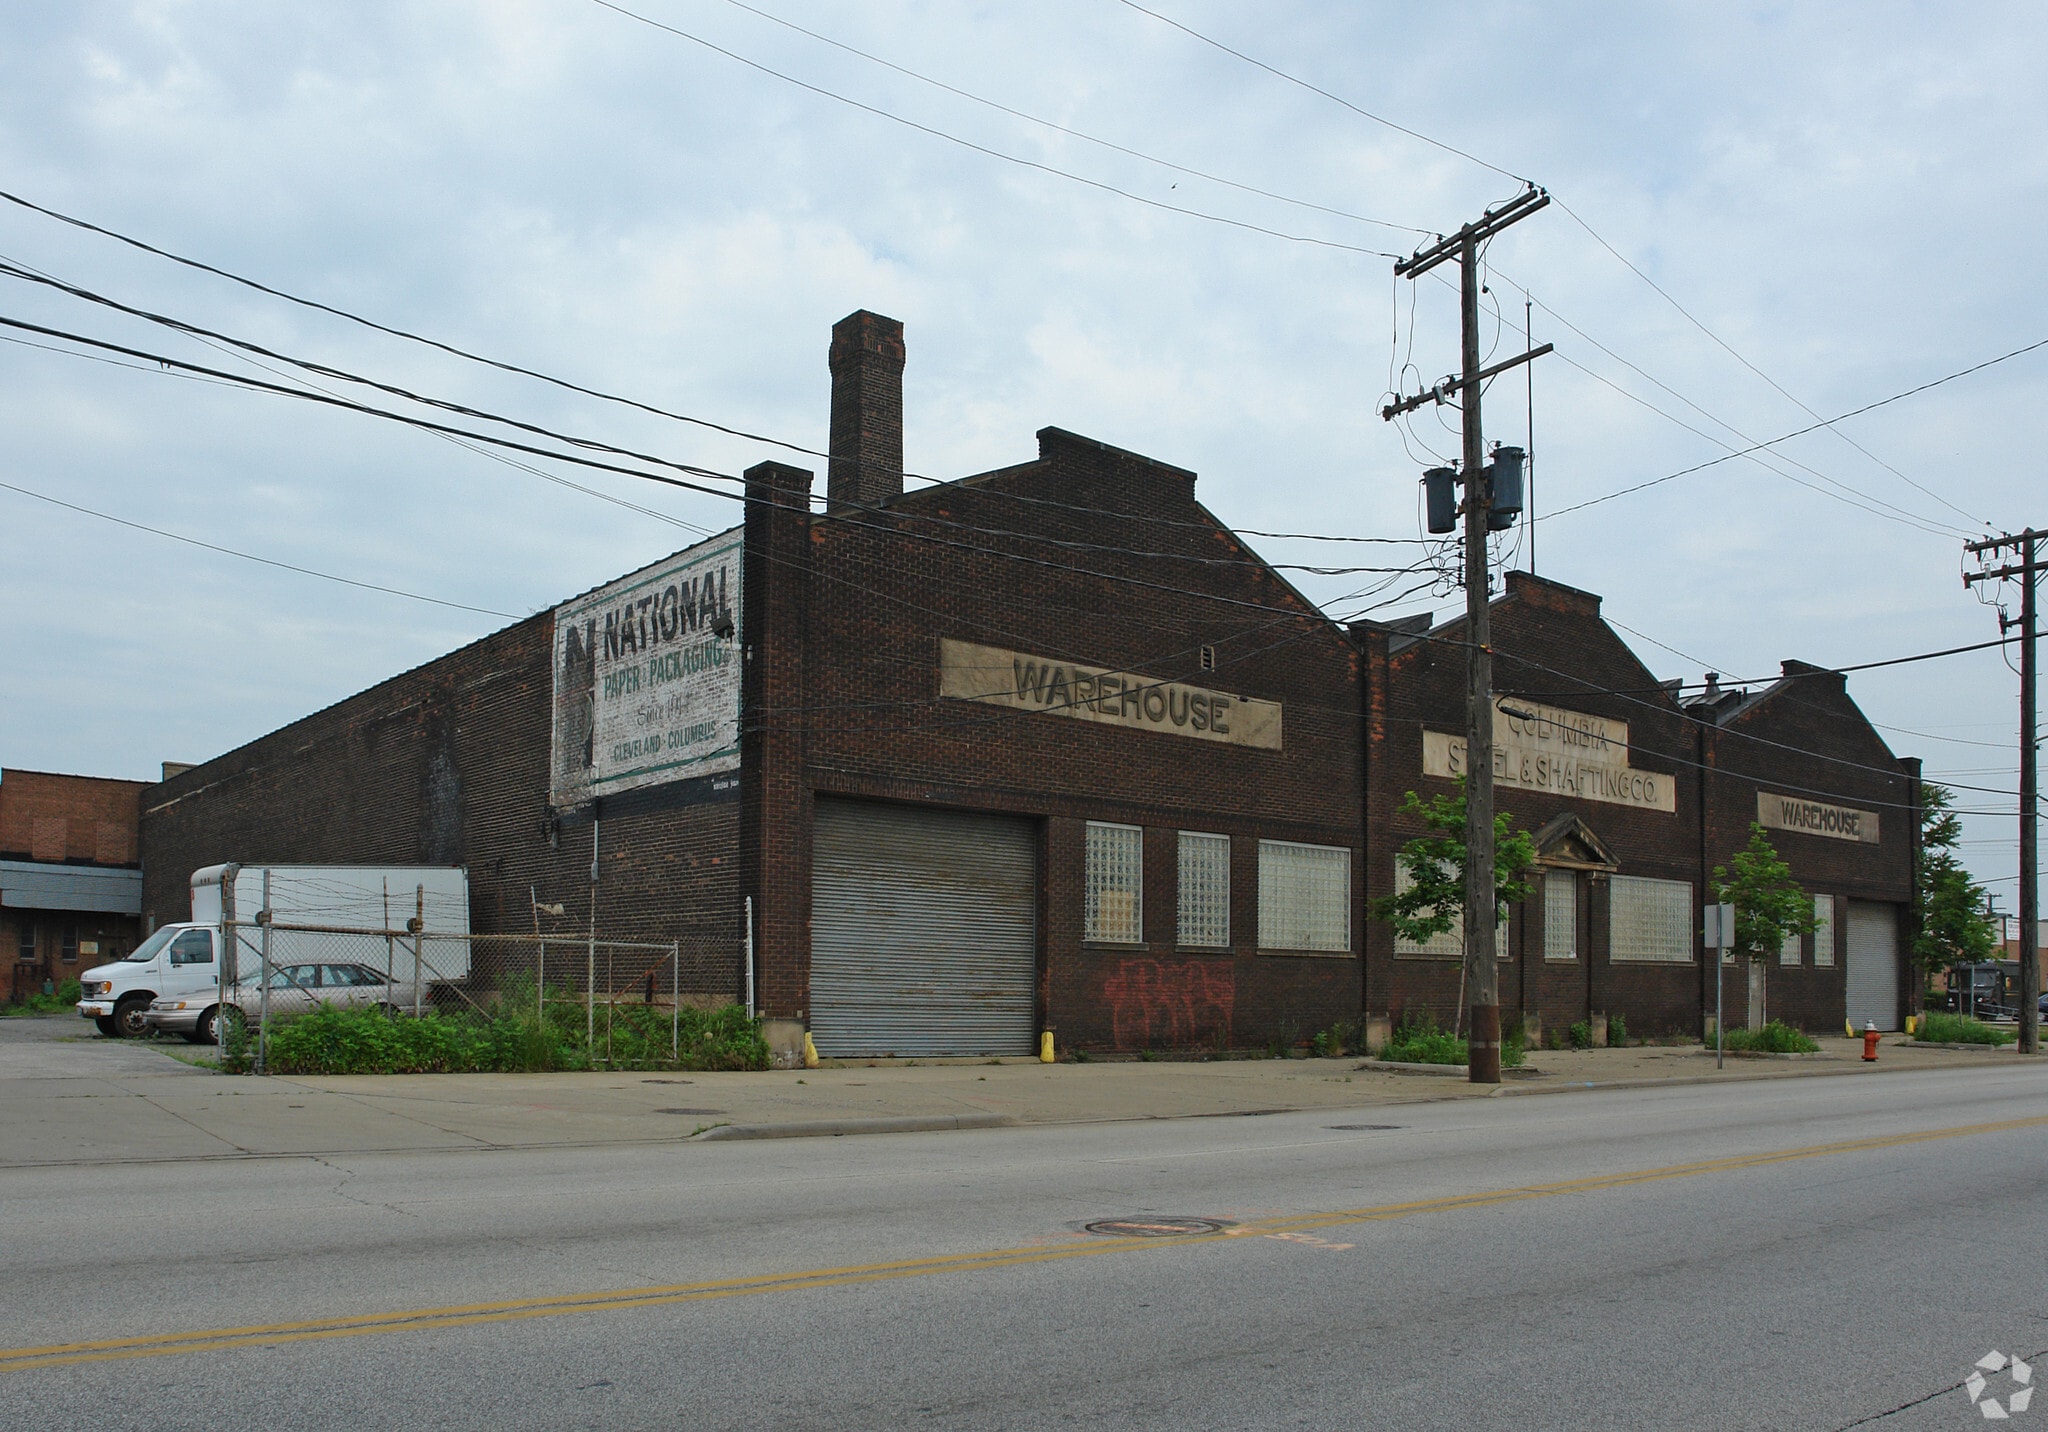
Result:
1804,1253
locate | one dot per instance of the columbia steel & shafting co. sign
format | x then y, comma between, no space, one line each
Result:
647,677
1567,753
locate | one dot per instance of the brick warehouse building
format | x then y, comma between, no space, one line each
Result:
1799,757
1633,799
1043,748
1047,747
70,877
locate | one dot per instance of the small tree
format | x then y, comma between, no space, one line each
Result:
1770,906
1953,927
1434,902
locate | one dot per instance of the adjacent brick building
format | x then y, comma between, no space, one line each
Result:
70,875
1634,797
1045,748
1799,757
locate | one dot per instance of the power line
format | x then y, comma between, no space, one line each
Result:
1730,351
1591,232
594,445
1931,526
330,400
568,385
252,557
983,148
1071,132
1800,432
1316,89
1935,526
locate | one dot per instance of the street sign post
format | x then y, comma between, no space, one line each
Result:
1720,936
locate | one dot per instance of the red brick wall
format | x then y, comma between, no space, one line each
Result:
44,816
1550,645
1765,746
448,764
876,592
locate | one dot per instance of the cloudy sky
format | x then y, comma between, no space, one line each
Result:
1769,213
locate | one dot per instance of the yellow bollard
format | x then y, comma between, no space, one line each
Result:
1911,1020
810,1052
1045,1055
1850,1026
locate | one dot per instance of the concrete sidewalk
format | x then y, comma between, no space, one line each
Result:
72,1097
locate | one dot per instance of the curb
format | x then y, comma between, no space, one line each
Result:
836,1128
1759,1076
1396,1066
1966,1048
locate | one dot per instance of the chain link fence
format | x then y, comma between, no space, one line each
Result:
275,971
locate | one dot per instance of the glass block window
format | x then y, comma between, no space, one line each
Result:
1304,896
1450,945
1560,915
1650,920
1789,952
1204,889
1113,885
1824,931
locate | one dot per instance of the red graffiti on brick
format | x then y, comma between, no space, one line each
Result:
1170,1003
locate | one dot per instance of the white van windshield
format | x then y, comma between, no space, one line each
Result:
147,950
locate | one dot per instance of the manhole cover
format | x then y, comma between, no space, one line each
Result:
1361,1128
689,1111
1156,1227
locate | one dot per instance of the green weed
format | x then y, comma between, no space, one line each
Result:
1938,1028
61,1002
508,1037
1773,1038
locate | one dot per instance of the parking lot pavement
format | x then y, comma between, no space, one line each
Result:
73,1096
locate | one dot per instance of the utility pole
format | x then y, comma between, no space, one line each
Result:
1482,973
2027,566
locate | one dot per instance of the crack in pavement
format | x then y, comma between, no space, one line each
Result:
1921,1401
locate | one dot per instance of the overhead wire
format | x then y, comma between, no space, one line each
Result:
253,557
1071,132
1577,218
1798,432
569,385
1326,94
964,143
664,478
1926,523
1725,347
595,445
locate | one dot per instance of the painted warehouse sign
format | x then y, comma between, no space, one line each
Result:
647,677
1115,698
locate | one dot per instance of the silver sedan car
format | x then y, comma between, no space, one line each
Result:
294,989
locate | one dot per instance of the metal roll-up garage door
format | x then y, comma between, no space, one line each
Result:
924,932
1873,973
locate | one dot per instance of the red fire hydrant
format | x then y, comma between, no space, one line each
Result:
1870,1038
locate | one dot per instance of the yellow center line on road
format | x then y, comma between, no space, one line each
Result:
470,1314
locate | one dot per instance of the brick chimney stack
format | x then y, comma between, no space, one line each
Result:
867,412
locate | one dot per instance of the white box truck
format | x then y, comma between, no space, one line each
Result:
355,914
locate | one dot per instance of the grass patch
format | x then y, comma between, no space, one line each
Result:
1938,1028
38,1004
509,1038
1773,1038
1424,1043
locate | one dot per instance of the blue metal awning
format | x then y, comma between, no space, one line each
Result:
32,885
